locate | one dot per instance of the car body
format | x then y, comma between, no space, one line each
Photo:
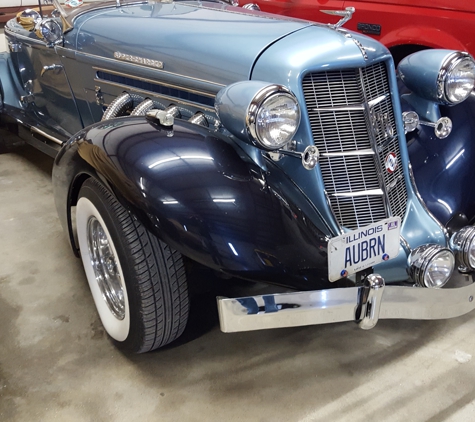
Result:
276,152
403,26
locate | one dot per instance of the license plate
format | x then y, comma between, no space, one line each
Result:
360,249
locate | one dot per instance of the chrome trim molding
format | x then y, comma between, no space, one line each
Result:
47,136
349,153
120,62
378,100
360,193
22,37
153,81
365,305
353,107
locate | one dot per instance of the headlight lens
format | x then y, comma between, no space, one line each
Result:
456,78
439,269
273,118
431,265
463,245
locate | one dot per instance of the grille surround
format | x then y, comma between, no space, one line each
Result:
353,127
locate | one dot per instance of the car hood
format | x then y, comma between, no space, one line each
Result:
230,38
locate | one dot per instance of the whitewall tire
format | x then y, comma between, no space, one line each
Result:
138,282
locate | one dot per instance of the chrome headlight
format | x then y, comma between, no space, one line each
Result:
273,117
262,114
463,245
431,265
456,78
442,76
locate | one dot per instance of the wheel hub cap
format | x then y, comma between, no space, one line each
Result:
104,263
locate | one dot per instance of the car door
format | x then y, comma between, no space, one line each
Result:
48,95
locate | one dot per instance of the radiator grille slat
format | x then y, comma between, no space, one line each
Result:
350,111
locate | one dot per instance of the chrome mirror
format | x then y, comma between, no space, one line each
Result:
51,31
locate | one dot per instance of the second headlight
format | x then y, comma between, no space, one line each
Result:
442,76
456,78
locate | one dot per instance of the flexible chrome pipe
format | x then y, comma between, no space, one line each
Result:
120,105
143,107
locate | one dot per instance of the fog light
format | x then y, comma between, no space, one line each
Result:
463,246
431,265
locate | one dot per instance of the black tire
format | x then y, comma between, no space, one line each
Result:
142,277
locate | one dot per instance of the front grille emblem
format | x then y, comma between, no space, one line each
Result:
391,162
382,125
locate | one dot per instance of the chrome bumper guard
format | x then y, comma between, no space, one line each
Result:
365,305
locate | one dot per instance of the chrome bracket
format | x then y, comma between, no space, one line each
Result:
51,67
27,99
346,15
164,118
14,47
99,96
370,295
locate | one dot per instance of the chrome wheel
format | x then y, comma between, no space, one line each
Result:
104,264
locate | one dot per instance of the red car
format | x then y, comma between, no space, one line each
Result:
404,26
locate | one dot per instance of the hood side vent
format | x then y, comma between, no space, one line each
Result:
155,88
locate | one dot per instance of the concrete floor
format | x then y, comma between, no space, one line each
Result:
56,363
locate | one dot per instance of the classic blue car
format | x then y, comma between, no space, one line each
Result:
262,147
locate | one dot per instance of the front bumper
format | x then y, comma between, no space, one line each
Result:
365,305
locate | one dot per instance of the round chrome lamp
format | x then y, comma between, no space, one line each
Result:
431,265
456,78
273,117
463,245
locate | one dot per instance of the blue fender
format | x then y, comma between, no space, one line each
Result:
202,195
444,169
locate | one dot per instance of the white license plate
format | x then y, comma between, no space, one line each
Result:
360,249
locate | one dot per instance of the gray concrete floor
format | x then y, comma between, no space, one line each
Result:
56,363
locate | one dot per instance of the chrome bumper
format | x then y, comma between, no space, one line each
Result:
364,305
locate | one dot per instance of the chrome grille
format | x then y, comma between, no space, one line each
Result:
354,129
